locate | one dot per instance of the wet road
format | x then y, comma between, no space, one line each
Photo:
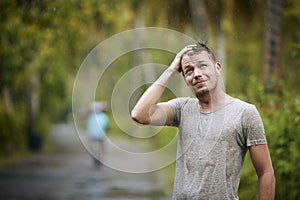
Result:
69,174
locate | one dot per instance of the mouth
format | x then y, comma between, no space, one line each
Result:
198,83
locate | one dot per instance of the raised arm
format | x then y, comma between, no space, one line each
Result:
262,163
148,110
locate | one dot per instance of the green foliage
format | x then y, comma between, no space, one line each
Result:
283,124
12,138
280,113
44,42
42,45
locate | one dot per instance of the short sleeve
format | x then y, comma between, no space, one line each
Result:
253,128
175,105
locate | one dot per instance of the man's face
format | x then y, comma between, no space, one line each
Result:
200,72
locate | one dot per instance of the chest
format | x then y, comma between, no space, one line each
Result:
200,134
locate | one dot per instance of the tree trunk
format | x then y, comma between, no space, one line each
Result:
272,54
34,138
221,56
8,106
199,18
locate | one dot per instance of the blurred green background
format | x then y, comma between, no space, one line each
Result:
44,42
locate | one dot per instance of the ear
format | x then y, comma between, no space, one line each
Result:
218,68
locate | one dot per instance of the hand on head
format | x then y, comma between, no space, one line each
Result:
176,64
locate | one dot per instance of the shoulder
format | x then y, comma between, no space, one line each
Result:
182,101
250,114
243,106
243,109
101,116
181,106
247,107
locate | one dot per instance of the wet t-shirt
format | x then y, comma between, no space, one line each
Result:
212,147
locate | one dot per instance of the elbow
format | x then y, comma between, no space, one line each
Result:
139,117
269,175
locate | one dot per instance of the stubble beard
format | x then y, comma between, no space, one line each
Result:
202,93
205,91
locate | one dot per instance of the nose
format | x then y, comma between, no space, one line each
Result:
197,72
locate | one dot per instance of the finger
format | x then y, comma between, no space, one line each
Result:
187,48
191,46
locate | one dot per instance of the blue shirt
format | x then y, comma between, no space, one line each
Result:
97,125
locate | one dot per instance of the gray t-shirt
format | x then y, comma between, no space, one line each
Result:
212,147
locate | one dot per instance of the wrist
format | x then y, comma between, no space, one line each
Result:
165,77
172,70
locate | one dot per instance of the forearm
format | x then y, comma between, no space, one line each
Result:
146,105
147,109
267,186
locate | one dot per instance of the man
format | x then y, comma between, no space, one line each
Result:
215,130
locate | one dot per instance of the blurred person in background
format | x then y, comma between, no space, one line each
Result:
96,127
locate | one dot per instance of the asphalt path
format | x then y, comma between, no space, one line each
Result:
68,173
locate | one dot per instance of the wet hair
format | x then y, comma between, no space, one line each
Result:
199,48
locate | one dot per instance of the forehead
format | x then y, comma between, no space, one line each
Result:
196,58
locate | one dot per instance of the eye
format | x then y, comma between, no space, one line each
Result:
188,70
203,65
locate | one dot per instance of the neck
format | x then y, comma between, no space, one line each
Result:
213,100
